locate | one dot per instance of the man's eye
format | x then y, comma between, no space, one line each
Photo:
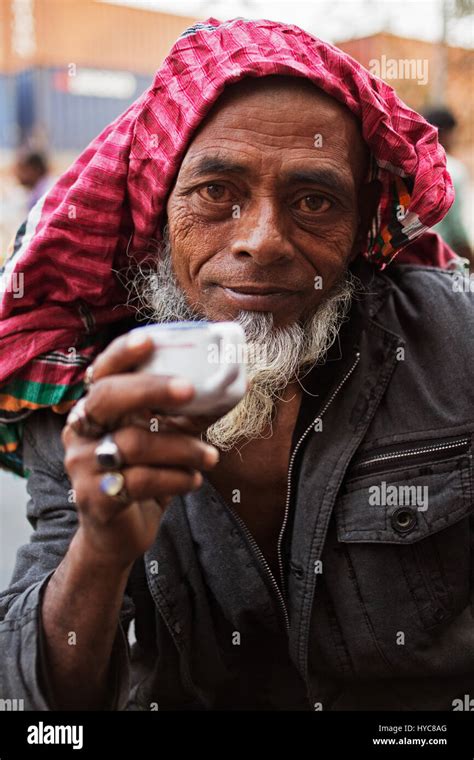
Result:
214,192
313,203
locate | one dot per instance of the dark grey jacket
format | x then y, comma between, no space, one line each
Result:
374,606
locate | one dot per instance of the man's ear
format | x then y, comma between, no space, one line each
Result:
369,198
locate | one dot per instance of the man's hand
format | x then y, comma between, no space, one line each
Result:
157,465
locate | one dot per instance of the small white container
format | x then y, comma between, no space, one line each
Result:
211,355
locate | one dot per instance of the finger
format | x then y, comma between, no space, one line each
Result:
141,447
140,483
124,353
112,397
156,482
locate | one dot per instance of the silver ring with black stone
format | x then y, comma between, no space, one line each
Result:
108,455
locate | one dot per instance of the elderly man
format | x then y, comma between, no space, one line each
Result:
310,549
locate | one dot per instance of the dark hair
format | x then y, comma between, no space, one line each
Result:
441,117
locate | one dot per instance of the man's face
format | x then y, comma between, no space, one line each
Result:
269,205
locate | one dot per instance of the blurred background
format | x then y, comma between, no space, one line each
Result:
69,67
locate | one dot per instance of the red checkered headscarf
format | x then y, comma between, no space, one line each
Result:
110,203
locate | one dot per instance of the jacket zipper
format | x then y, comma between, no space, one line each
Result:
251,540
402,455
293,457
266,566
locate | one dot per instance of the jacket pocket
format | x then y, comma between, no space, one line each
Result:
408,506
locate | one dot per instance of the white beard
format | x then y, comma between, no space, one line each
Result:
274,355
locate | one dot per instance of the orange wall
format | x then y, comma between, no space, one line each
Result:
98,35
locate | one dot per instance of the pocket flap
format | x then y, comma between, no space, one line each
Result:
406,505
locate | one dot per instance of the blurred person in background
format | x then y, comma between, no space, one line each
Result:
452,228
32,172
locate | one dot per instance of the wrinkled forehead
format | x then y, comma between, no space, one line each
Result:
279,116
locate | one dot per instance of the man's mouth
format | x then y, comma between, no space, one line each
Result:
256,297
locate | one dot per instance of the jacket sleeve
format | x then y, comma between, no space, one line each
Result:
52,514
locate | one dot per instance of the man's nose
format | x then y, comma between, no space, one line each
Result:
260,233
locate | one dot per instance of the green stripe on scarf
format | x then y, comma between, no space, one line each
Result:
44,394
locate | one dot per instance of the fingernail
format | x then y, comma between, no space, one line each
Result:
180,386
197,480
137,339
211,455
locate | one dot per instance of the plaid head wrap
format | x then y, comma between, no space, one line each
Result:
109,204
